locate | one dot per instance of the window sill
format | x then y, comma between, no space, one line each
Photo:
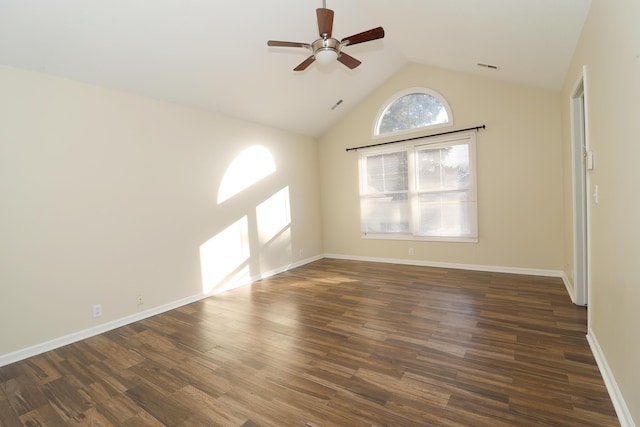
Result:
410,237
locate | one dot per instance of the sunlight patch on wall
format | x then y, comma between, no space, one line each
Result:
281,245
250,166
273,215
224,259
273,223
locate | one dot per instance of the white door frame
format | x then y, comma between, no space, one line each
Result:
581,185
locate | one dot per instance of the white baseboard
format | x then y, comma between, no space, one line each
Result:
25,353
569,286
285,268
622,410
473,267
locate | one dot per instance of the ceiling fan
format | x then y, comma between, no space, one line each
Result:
327,49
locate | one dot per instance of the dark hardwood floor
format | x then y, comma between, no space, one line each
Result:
333,343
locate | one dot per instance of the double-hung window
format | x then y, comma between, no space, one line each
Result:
425,189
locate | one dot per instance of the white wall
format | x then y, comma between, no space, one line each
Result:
106,195
519,174
610,49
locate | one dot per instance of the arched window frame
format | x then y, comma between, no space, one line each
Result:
389,102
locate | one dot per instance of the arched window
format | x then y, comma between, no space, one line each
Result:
411,110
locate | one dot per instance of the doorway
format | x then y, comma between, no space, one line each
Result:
582,162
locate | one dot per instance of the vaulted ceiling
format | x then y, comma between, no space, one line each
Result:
213,55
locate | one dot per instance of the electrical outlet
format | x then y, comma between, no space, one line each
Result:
139,299
97,310
411,251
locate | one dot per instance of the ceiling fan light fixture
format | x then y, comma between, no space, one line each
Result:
326,56
326,50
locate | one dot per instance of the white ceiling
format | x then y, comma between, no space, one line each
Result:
213,55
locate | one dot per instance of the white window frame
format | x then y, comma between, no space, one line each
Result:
411,148
413,90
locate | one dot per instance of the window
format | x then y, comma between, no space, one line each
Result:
425,189
411,110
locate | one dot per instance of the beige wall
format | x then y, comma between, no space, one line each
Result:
519,174
610,49
106,195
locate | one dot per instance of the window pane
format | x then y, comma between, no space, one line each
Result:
420,190
387,173
385,214
443,214
412,111
444,168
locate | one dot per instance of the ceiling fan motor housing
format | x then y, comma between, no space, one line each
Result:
326,49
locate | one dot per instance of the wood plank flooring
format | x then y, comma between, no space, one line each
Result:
332,343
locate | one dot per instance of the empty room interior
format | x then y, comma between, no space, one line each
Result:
318,213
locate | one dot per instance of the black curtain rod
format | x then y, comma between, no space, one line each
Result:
476,128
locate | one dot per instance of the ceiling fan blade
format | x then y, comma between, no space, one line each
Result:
348,60
325,21
304,64
287,44
373,34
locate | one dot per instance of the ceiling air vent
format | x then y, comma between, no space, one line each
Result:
490,66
